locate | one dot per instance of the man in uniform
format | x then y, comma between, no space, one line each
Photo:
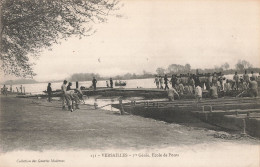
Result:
156,81
94,83
111,83
166,82
253,87
236,79
65,97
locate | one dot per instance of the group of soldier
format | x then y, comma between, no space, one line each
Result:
69,96
212,82
4,90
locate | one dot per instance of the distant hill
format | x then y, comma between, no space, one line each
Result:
19,81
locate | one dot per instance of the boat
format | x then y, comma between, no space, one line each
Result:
240,114
120,83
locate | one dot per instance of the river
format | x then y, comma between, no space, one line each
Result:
38,88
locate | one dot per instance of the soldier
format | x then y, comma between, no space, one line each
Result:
161,82
173,80
111,83
198,93
49,91
5,90
253,87
236,79
156,81
65,97
213,91
166,82
171,92
94,83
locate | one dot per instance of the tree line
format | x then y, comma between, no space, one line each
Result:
171,69
240,67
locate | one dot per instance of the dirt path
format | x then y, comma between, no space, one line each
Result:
31,124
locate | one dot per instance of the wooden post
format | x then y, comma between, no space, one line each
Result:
77,84
122,108
132,106
248,114
96,105
244,127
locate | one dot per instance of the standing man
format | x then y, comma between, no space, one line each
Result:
166,82
253,75
161,82
253,87
49,91
156,81
21,89
198,93
173,80
5,90
215,79
65,96
111,83
227,87
236,79
221,80
191,85
171,93
94,83
213,91
69,86
246,79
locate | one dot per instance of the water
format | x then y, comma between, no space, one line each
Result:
102,102
38,88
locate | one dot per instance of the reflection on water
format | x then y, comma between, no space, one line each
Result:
105,103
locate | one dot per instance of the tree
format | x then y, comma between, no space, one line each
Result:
217,68
127,76
225,66
246,64
177,68
187,68
28,26
242,65
160,71
173,68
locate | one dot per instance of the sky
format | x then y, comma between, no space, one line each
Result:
154,34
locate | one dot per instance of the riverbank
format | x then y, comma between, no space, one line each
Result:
37,125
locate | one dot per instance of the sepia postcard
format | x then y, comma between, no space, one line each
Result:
130,83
